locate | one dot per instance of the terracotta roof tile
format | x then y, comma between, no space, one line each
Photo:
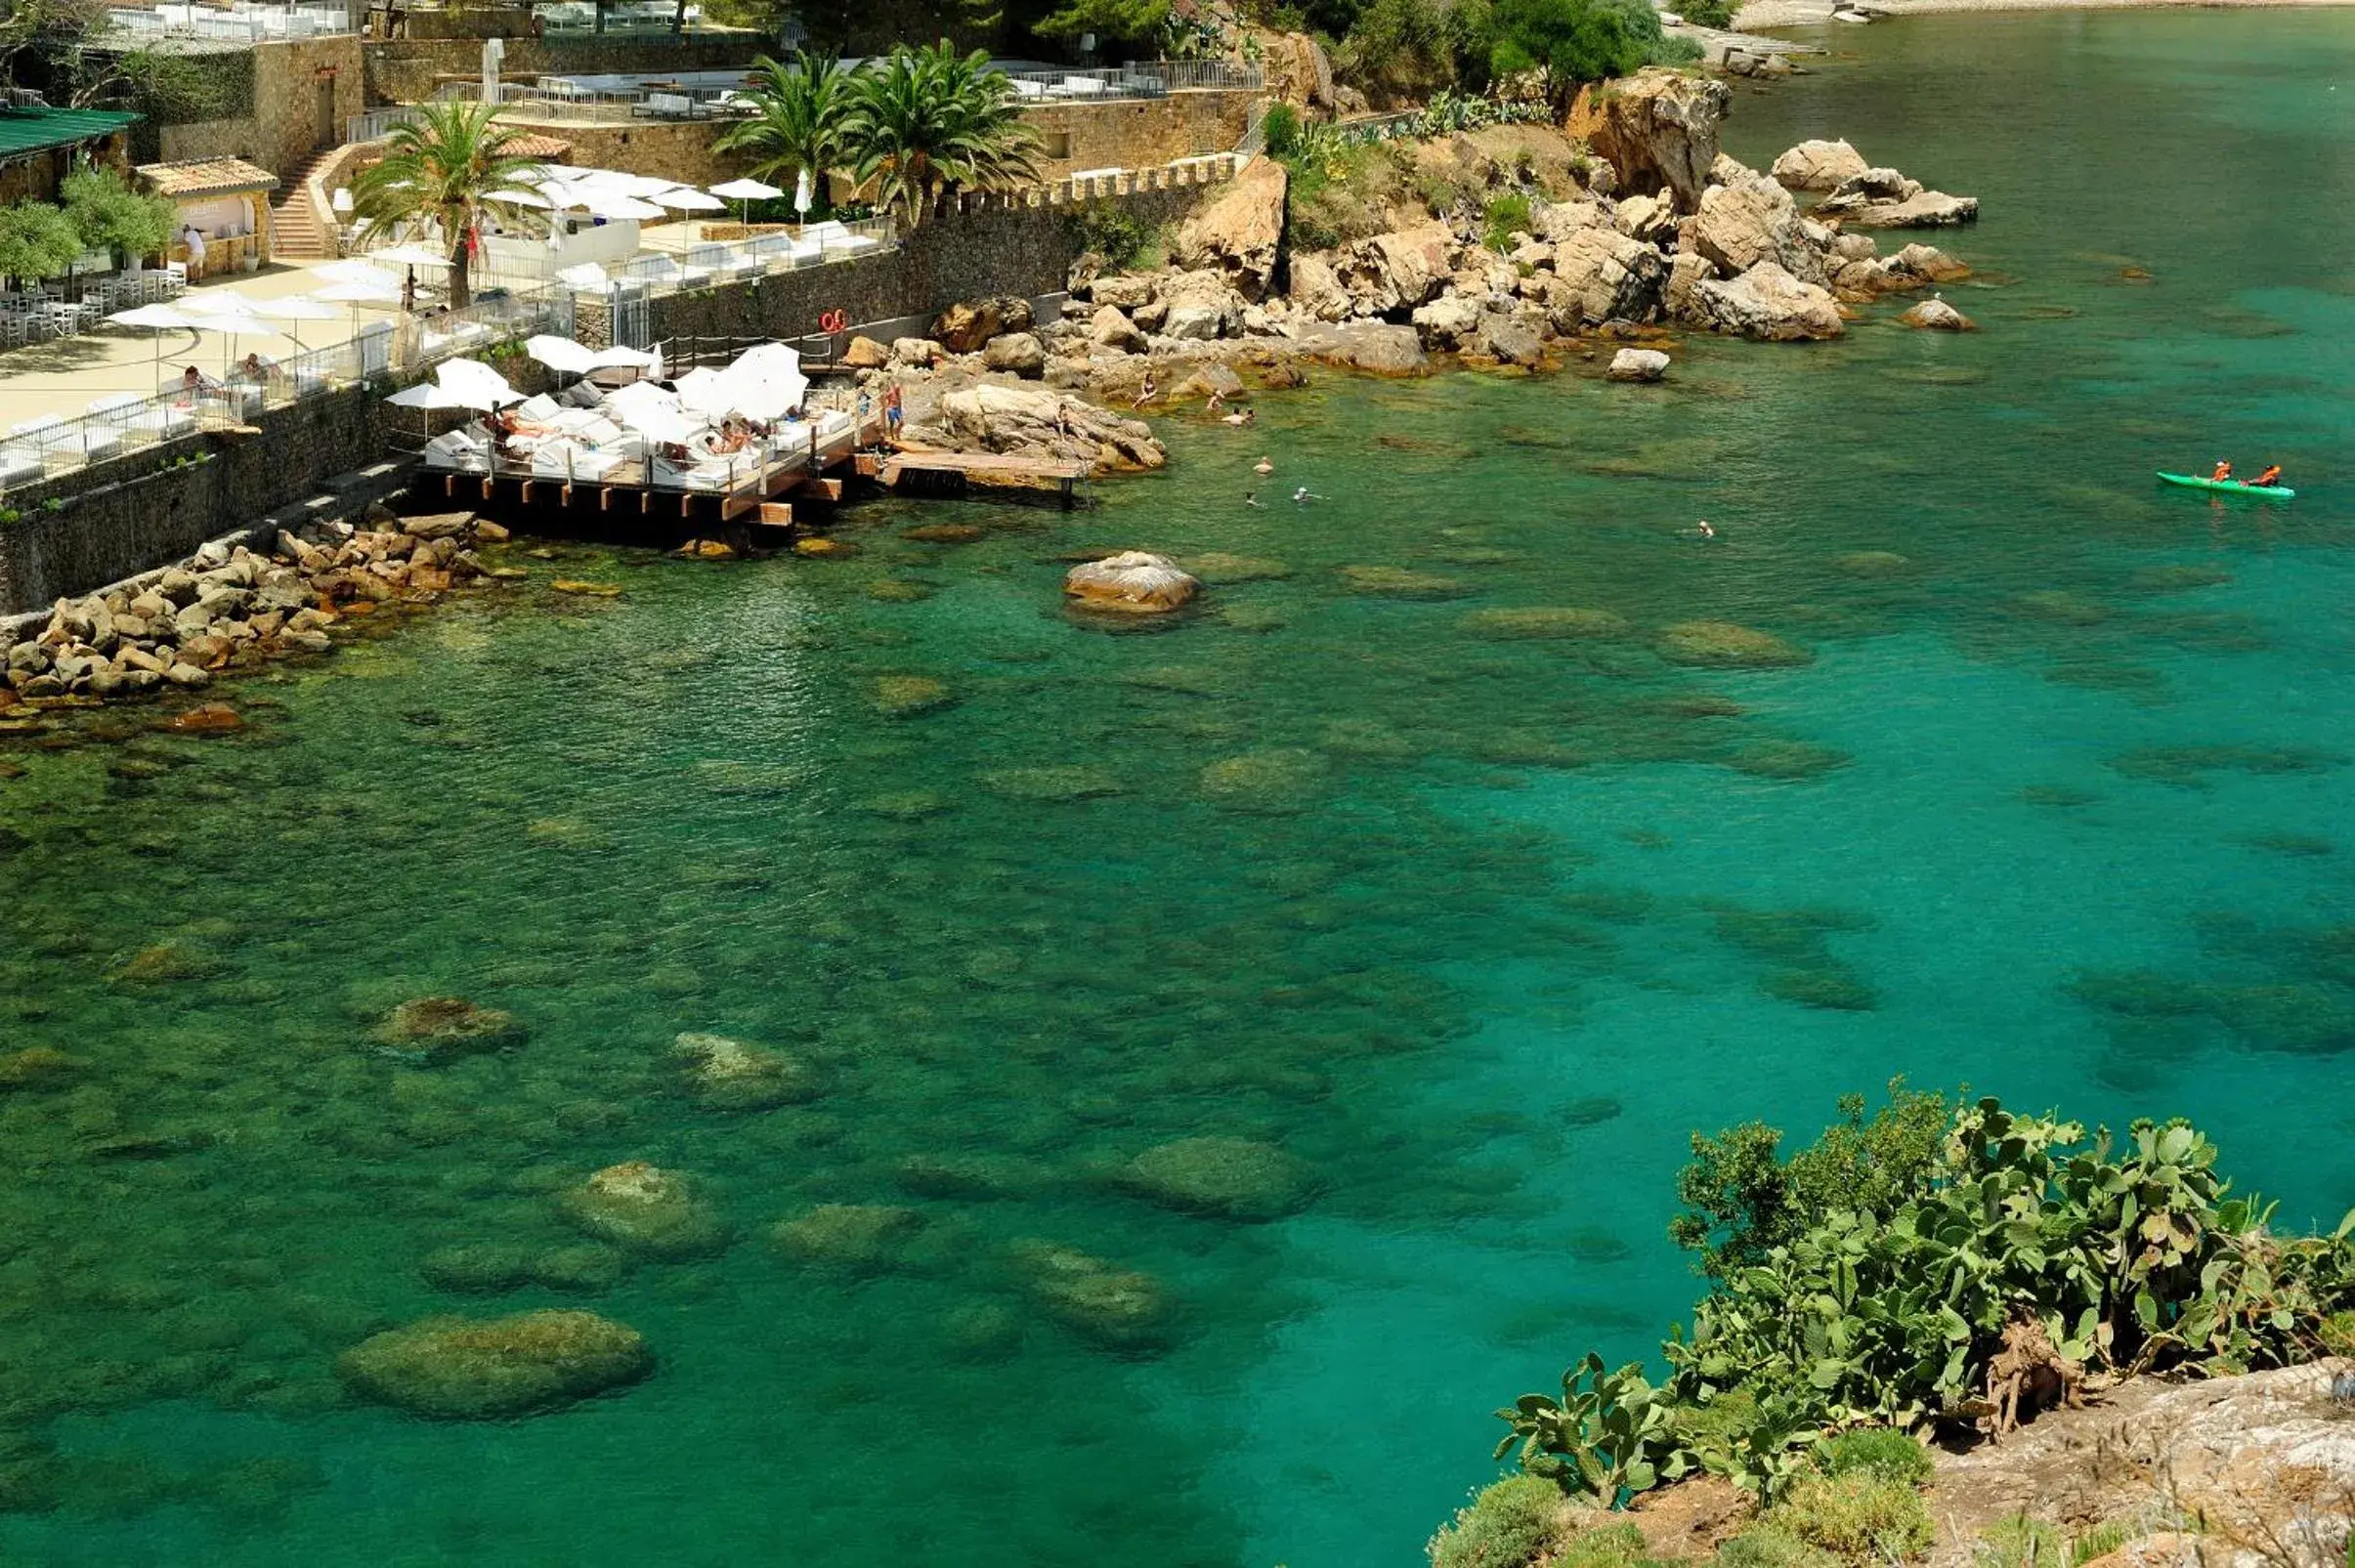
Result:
206,177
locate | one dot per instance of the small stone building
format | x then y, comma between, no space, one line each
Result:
38,147
227,202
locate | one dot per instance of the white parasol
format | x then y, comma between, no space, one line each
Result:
161,319
476,385
684,199
561,354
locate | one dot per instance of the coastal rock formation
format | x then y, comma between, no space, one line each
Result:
232,609
854,1238
1638,365
469,1369
1603,276
431,1029
1395,271
1132,582
1658,128
1227,1178
1198,307
964,327
1121,1309
1769,303
1236,233
1938,316
1724,645
1883,199
1017,353
1039,422
1818,166
1377,348
730,1074
1111,328
643,1209
1740,225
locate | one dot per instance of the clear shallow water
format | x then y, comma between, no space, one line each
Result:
1483,928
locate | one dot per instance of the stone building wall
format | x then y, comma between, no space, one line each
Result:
403,70
284,126
668,150
126,517
992,250
1139,133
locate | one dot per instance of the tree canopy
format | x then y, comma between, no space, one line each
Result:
1565,42
111,217
443,166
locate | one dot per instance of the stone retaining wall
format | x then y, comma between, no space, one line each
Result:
402,70
997,249
121,518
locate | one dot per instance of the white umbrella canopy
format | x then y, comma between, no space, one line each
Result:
745,190
357,272
160,318
387,293
710,393
588,274
410,255
682,199
519,199
561,354
610,204
474,384
426,395
619,357
294,308
652,411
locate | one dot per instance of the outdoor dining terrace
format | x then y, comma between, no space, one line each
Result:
241,21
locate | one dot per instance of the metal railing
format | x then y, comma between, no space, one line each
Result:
240,23
377,123
1145,79
124,426
603,106
715,264
788,448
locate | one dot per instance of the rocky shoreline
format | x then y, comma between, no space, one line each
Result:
1662,233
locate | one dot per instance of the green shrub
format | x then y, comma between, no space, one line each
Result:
1506,216
1763,1548
2020,1542
2099,1542
1509,1525
2337,1334
1113,233
1708,13
1877,1451
1282,128
1612,1545
1858,1517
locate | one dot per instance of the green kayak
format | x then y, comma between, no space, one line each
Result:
2232,486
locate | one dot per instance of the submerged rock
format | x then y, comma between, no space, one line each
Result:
1132,582
1546,624
436,1029
1051,783
1724,645
1279,780
38,1067
1401,583
463,1368
730,1074
1122,1310
908,696
1230,1178
644,1209
859,1238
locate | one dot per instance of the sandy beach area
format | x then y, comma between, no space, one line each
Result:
1768,14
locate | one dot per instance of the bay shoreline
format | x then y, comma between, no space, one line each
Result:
1766,14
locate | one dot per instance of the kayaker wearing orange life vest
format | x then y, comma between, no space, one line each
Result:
2223,472
2271,475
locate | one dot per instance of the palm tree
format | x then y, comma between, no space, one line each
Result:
929,121
443,166
802,113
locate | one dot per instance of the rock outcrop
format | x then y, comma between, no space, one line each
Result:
1039,422
1227,1178
1938,316
1638,365
431,1029
732,1074
643,1209
964,327
1818,166
1130,583
1740,225
1768,303
1236,235
468,1369
1883,199
1601,274
1658,128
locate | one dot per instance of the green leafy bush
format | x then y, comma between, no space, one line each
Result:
1938,1231
1114,234
1764,1548
1509,1525
1507,215
1282,128
1858,1518
1563,43
2022,1542
1879,1451
1612,1545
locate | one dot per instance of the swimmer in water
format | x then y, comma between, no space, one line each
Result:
1302,495
1705,531
1251,497
1263,467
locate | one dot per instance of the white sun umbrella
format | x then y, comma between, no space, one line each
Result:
358,293
619,356
411,255
561,354
651,411
516,197
160,318
743,193
426,395
713,394
610,204
679,199
476,385
357,271
295,309
229,314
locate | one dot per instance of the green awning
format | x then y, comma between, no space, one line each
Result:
25,131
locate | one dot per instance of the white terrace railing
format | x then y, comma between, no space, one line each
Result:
1156,79
126,425
238,24
377,123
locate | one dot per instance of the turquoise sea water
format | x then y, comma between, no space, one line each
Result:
1477,925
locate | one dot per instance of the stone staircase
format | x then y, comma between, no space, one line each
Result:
295,233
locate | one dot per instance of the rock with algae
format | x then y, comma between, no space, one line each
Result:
1075,781
908,696
1725,645
1133,582
436,1029
1278,780
1398,582
475,1369
733,1075
646,1209
854,1238
1120,1309
1546,624
37,1067
1228,1178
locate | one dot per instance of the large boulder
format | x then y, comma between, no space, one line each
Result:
469,1369
1740,225
1199,306
1509,339
1237,233
1687,269
1037,421
1924,209
1557,221
1298,70
1111,328
1132,582
734,1075
644,1209
963,327
1925,264
1818,166
1378,348
1766,302
1638,365
1601,274
1657,128
1447,322
430,1029
1937,316
1016,354
1316,290
1395,272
